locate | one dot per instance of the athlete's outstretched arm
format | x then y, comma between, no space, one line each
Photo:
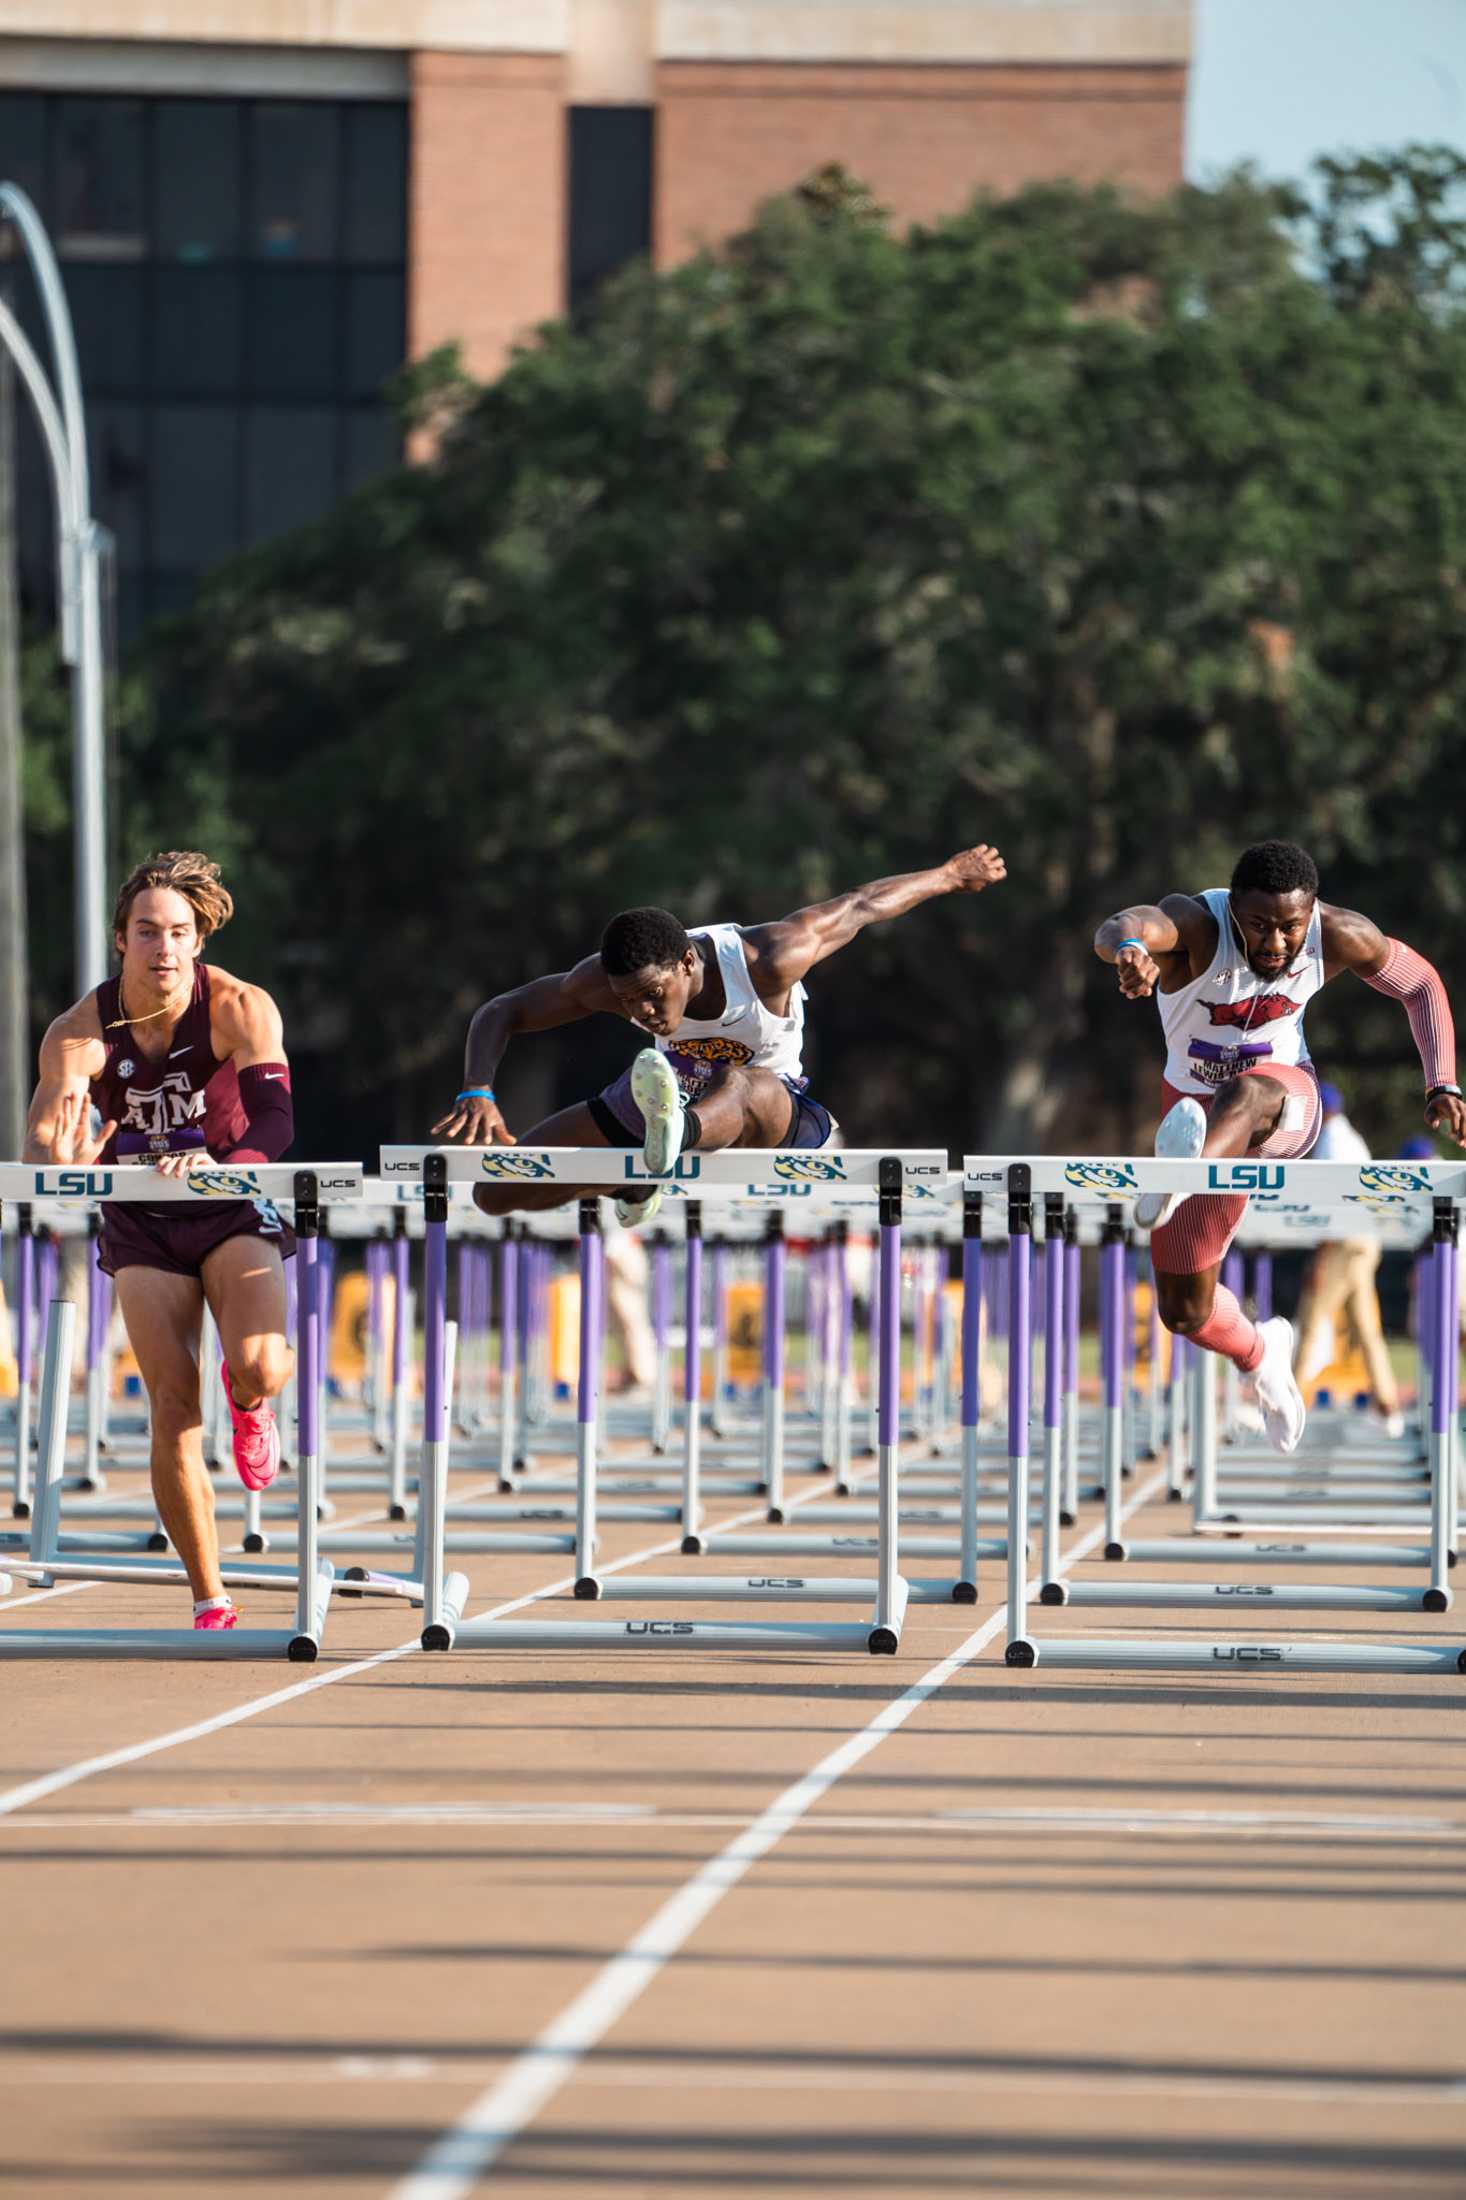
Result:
1139,939
1352,942
542,1005
58,1127
248,1031
784,951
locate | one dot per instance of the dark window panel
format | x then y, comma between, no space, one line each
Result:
290,467
610,195
197,152
198,331
167,591
107,308
294,170
23,156
376,183
376,331
195,485
373,444
99,167
291,331
117,449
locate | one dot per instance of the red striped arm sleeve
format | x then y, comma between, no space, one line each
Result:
1408,977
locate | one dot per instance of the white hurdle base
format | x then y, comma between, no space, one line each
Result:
688,1634
1104,1653
1214,1551
1287,1597
178,1642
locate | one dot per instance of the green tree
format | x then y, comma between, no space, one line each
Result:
1118,533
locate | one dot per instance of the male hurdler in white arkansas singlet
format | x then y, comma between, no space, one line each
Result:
725,1007
1233,970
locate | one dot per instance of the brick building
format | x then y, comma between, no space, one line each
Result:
264,206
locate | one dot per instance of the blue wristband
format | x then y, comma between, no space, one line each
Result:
1132,943
478,1092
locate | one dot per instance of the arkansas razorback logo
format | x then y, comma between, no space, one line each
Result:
1266,1008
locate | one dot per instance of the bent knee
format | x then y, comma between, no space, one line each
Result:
261,1368
1183,1312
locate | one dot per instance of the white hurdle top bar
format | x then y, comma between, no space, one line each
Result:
1307,1198
273,1180
737,1172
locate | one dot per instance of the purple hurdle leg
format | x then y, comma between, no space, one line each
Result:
1445,1350
313,1582
965,1590
1112,1371
891,1591
511,1270
92,1477
1073,1278
1054,1262
773,1365
25,1327
662,1339
1020,1650
592,1296
718,1286
692,1542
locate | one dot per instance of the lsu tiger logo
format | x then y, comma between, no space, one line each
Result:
1100,1176
712,1050
518,1168
810,1168
1377,1178
221,1184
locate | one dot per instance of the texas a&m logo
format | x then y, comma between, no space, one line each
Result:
164,1107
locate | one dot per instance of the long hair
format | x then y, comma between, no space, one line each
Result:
185,872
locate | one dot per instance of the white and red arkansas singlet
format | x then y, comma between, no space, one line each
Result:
1230,1019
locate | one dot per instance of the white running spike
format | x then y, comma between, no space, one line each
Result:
1181,1136
656,1092
1283,1411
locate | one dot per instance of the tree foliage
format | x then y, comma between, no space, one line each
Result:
1118,533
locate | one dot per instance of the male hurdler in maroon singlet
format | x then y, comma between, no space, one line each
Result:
184,1065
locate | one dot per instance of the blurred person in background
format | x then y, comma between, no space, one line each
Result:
1340,1285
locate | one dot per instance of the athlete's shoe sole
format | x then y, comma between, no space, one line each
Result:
1284,1415
655,1090
630,1212
1181,1136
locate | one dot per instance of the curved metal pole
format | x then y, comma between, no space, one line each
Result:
81,605
53,434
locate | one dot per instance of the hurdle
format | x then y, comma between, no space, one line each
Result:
312,1576
1438,1187
737,1173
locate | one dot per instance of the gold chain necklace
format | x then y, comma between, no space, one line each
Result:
152,1016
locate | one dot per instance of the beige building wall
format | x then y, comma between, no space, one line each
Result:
926,100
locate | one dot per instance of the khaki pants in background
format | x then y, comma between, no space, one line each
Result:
627,1268
1341,1282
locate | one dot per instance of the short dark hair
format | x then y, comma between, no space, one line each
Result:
1275,867
642,939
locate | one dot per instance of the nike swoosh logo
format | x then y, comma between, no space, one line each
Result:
272,1078
173,1057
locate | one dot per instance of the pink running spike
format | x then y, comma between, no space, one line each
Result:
223,1615
256,1440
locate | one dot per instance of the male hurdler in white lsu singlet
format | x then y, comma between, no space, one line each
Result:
1233,970
724,1005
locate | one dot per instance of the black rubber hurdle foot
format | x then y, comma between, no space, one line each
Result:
965,1592
1435,1600
1053,1592
692,1546
1020,1654
587,1588
157,1541
1117,1550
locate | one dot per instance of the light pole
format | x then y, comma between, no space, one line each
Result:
80,545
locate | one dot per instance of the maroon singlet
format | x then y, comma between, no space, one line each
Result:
183,1101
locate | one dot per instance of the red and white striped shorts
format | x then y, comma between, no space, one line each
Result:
1202,1227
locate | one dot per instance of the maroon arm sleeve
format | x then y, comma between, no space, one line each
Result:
1409,978
269,1116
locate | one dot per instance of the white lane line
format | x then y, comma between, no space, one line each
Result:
51,1783
491,2123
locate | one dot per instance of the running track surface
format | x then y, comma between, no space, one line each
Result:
705,1925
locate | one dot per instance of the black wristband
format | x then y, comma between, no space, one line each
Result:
1436,1092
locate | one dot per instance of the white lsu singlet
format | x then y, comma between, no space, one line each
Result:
1230,1019
746,1034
